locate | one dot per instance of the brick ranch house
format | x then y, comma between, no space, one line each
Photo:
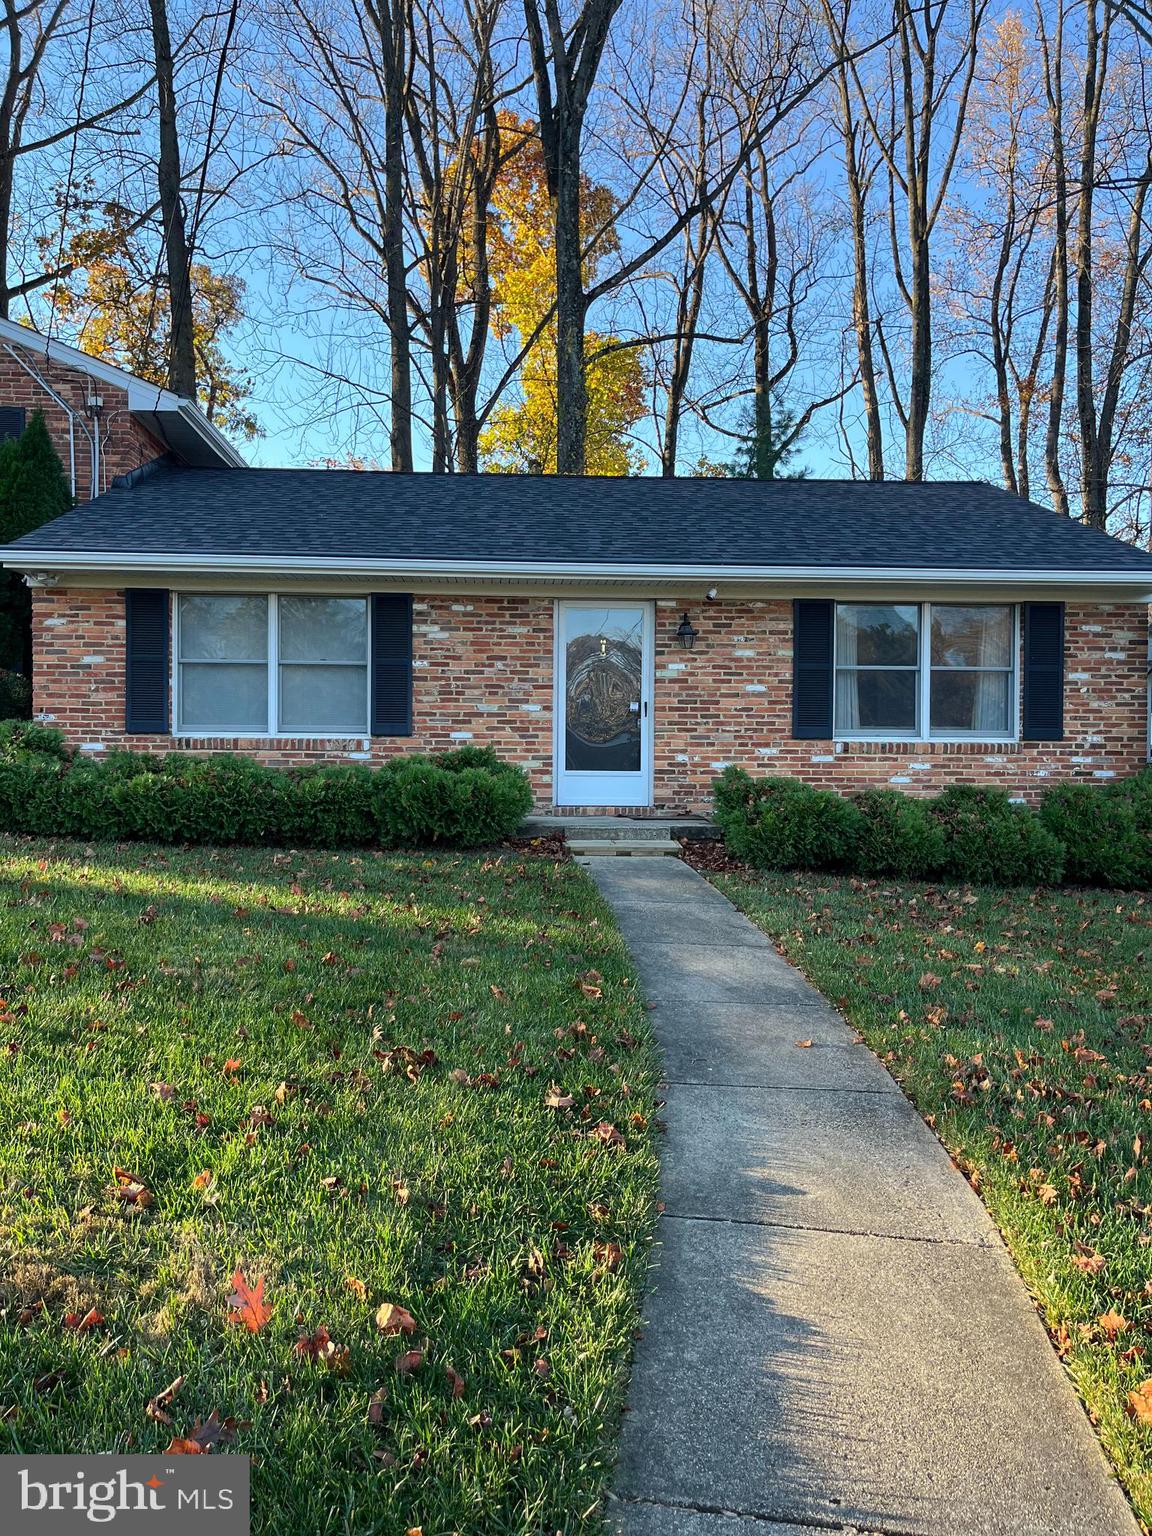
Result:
623,639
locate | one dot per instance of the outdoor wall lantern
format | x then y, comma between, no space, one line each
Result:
686,634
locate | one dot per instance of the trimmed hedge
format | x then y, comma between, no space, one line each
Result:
1086,833
462,799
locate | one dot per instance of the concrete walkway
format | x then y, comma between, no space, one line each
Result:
836,1339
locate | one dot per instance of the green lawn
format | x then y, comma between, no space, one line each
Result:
1020,1025
332,1073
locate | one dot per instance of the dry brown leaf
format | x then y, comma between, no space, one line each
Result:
127,1187
393,1319
1111,1323
158,1406
1139,1404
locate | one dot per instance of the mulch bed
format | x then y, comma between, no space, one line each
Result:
710,856
551,847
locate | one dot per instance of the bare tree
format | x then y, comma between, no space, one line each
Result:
860,165
1052,52
1002,281
918,129
42,114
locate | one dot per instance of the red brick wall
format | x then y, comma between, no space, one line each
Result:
124,443
730,701
484,674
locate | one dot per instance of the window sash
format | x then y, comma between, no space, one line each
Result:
925,670
272,665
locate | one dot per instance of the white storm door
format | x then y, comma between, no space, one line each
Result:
603,752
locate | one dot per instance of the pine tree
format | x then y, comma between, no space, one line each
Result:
764,453
33,490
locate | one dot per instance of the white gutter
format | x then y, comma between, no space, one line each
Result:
26,558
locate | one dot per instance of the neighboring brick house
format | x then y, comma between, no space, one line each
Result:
623,639
104,422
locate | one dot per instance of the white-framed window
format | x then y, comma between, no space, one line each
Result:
268,664
921,671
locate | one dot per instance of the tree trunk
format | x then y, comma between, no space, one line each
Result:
862,320
690,295
571,388
1092,472
1054,91
857,186
564,73
390,28
178,260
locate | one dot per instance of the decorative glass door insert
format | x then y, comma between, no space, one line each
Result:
602,704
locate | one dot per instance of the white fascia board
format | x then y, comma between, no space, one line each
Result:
72,357
233,458
1135,585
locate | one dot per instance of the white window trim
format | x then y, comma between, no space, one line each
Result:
923,734
272,667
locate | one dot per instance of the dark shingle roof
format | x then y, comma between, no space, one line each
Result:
520,518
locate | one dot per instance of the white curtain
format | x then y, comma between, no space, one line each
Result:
847,678
988,708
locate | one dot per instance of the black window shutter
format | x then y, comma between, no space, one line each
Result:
391,664
12,421
812,627
1043,672
146,650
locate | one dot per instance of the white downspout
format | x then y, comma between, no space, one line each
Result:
73,418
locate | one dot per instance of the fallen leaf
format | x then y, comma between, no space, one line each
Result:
202,1180
608,1134
202,1437
311,1345
393,1319
556,1098
1139,1404
357,1287
1089,1263
609,1256
407,1363
158,1406
83,1322
129,1188
456,1381
804,1045
246,1304
1111,1323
